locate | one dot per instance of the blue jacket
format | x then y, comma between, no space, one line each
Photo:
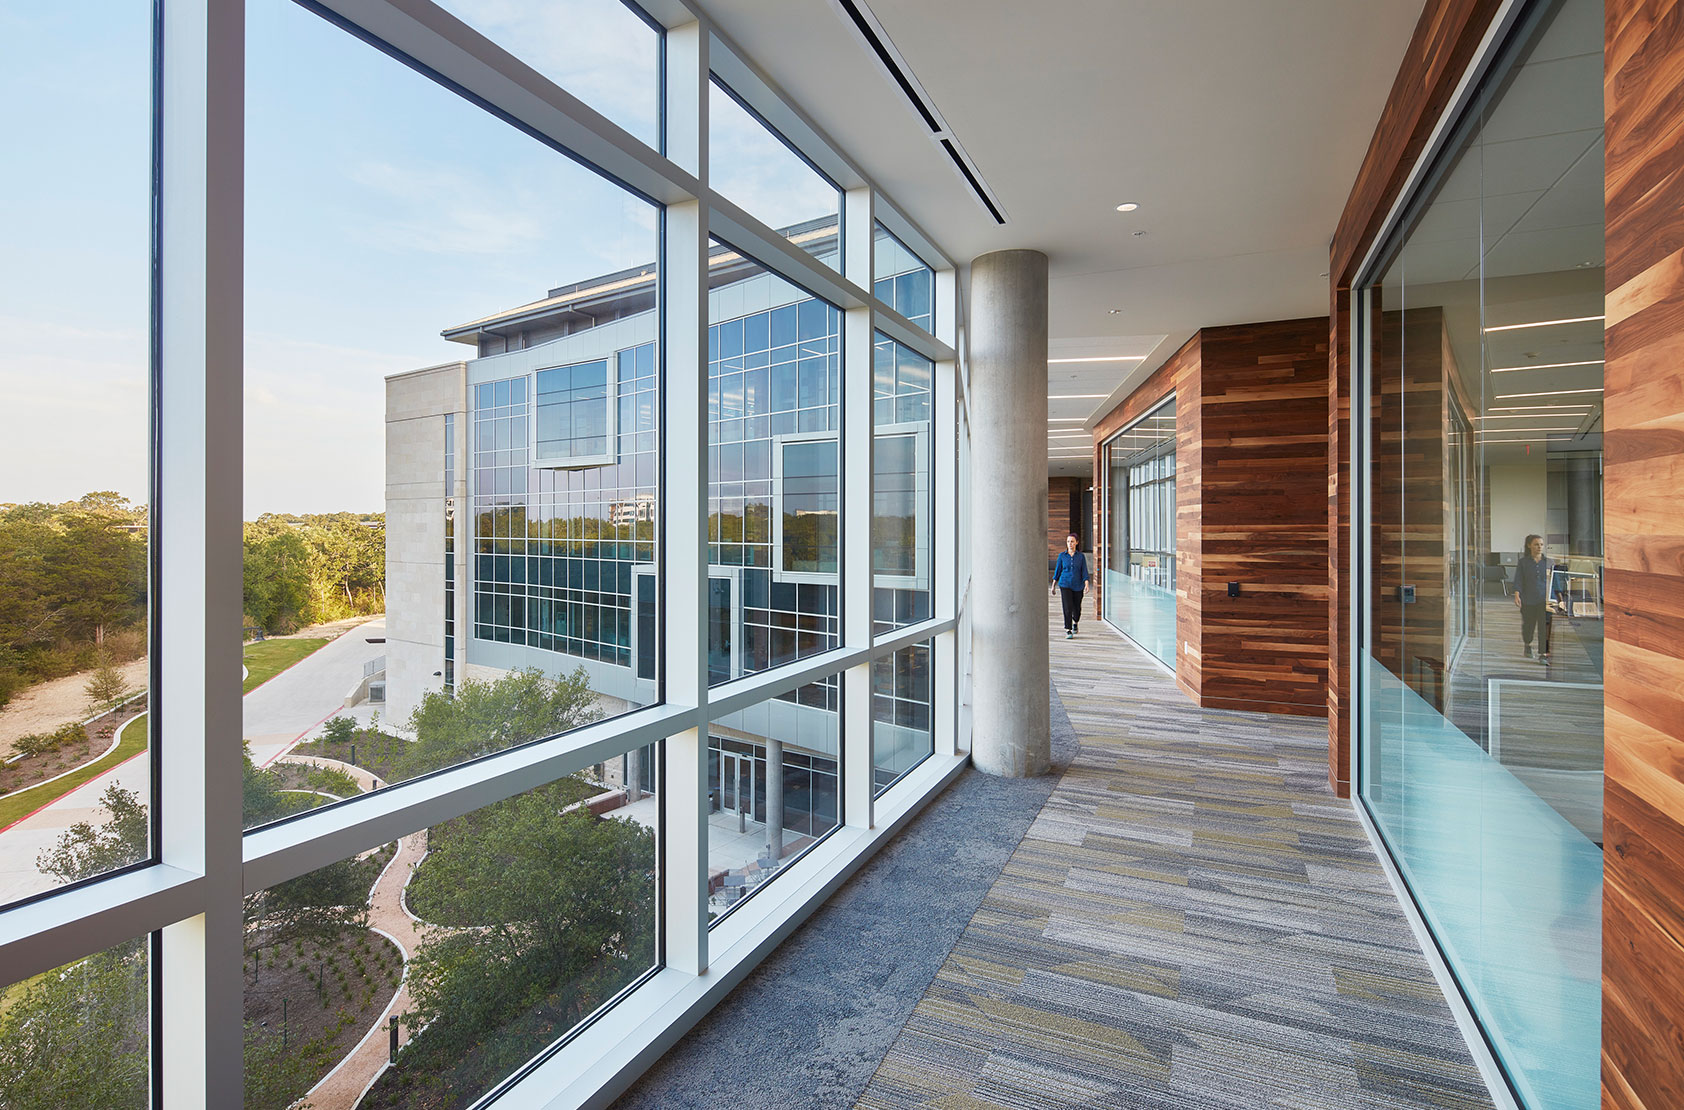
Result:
1071,571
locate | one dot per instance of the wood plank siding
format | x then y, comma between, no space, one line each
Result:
1643,877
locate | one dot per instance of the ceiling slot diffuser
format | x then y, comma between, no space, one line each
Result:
861,18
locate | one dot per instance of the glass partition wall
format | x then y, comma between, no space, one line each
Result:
618,520
1480,624
1139,586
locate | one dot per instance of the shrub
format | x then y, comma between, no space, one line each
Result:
36,743
340,730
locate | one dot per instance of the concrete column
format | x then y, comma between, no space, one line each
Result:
775,800
1012,732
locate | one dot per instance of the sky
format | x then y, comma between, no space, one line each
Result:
380,209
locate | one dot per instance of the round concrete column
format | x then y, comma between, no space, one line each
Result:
1011,730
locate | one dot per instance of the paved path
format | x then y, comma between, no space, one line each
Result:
277,715
341,1088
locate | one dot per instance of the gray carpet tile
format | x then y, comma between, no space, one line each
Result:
1192,921
808,1028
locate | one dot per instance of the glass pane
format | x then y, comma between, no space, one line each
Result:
774,788
902,281
902,712
486,937
1481,727
1138,593
601,51
74,457
80,1035
903,493
775,417
402,256
753,167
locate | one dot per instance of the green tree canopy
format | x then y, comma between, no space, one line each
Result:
87,849
485,717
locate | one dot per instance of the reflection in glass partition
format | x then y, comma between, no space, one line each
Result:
75,522
902,280
601,51
774,469
80,1035
752,166
1139,589
1480,732
774,788
450,327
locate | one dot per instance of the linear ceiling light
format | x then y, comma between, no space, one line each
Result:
1546,393
1545,366
1546,323
1100,358
1077,396
1585,406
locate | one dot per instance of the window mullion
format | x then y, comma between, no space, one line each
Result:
858,434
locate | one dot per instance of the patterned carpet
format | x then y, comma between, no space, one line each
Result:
1193,921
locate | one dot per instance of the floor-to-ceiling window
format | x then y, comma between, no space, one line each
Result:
1138,594
1480,619
655,530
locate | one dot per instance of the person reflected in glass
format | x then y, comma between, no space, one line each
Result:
1070,579
1532,578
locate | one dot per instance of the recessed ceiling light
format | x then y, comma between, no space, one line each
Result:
1112,311
1140,234
1129,207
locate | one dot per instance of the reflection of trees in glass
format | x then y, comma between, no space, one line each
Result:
894,545
556,914
810,539
485,717
88,848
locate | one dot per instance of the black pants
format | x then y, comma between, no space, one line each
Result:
1532,619
1072,607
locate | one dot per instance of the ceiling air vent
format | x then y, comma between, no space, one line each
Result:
861,18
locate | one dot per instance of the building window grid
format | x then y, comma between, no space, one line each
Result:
499,478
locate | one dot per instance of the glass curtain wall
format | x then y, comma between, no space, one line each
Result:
440,316
1480,729
1139,587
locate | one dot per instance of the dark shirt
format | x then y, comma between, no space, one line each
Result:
1071,571
1532,580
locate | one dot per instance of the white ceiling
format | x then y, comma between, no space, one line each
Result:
1236,125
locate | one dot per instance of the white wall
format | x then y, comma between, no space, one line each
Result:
1519,502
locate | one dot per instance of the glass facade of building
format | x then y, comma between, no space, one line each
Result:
1480,725
1139,588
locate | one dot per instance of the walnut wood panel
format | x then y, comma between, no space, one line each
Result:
1643,889
1064,511
1443,45
1263,477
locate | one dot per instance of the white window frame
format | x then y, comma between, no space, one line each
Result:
189,899
779,574
611,399
919,431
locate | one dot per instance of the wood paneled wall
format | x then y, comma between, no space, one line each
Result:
1643,888
1251,465
1263,520
1443,45
1064,511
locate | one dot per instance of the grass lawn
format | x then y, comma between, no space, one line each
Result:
25,802
268,658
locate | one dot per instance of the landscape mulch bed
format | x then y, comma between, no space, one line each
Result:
33,769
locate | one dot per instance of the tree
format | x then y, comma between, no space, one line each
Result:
77,1036
98,571
566,902
106,687
277,576
86,849
485,717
